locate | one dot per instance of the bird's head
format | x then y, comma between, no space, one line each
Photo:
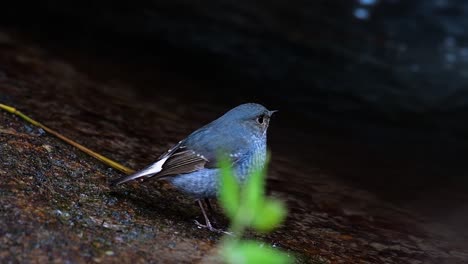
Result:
251,115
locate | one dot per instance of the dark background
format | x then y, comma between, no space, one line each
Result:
374,93
404,65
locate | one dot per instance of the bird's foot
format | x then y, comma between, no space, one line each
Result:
212,229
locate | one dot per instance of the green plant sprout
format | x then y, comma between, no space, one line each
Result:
248,207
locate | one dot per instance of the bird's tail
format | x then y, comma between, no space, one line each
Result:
147,172
128,178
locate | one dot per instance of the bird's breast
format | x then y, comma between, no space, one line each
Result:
253,160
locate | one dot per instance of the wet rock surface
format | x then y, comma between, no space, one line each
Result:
55,203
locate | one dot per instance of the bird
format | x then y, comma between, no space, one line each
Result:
191,165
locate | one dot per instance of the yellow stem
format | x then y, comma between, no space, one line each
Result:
86,150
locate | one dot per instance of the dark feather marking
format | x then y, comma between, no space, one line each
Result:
182,161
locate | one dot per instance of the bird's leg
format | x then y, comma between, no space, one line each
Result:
207,221
210,211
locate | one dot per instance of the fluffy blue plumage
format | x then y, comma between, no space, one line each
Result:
204,183
191,165
239,135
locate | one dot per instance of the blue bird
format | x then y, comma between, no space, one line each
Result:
191,164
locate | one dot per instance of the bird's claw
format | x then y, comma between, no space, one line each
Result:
212,229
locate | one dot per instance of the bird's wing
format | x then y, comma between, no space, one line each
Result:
183,160
217,140
198,151
177,160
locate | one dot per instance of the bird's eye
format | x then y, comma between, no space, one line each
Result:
261,119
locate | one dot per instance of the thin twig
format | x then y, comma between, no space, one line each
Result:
86,150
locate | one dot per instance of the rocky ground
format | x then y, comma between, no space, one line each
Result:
55,203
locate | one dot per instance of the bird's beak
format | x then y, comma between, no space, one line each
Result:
270,113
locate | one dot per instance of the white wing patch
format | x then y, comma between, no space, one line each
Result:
156,167
150,170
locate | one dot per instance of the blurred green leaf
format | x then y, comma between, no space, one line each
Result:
247,252
253,194
230,190
269,216
248,207
253,191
